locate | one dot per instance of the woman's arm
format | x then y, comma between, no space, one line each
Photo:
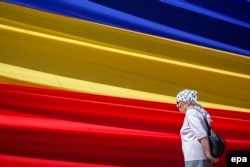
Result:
205,145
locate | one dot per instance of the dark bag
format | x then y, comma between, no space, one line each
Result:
217,143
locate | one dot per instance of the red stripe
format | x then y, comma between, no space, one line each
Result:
76,127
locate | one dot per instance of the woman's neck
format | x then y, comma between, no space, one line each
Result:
191,106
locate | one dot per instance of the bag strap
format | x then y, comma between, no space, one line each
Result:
208,126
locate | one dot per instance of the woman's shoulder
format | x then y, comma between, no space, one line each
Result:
193,112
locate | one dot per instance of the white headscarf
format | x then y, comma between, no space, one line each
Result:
187,96
190,96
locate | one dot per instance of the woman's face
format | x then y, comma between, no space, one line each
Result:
182,106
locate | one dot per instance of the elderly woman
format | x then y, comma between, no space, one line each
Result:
195,144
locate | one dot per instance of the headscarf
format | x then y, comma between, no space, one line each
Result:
190,96
187,96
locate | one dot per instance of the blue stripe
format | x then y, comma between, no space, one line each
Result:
180,21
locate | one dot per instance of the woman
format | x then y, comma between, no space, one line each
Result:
195,144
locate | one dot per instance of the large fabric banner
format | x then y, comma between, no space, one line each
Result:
93,83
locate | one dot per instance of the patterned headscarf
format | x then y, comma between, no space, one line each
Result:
190,96
187,96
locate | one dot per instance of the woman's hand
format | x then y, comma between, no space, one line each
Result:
212,159
205,144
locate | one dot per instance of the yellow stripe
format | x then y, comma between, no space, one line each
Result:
60,82
119,51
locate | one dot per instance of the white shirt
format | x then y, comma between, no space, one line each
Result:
193,129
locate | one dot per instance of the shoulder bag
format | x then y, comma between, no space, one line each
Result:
217,144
